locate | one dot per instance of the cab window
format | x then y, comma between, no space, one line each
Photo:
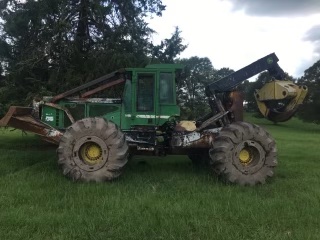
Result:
145,92
166,88
127,97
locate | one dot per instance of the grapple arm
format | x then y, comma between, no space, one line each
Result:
278,100
22,118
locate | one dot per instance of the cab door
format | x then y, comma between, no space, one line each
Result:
145,105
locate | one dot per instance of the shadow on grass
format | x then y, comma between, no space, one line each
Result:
167,169
174,164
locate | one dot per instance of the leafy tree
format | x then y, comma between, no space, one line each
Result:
51,46
310,110
221,73
169,48
78,34
198,72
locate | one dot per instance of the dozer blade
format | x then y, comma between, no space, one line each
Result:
278,101
21,118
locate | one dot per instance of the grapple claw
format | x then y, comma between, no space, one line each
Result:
278,101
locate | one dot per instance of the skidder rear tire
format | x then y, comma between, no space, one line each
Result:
92,149
244,153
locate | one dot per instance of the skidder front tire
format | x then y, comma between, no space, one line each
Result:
92,149
244,153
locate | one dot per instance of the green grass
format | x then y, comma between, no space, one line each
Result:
160,198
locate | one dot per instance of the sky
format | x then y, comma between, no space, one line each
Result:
234,33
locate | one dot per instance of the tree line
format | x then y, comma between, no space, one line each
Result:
47,47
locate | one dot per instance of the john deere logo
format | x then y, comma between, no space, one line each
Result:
270,60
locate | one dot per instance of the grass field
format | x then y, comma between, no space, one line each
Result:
160,198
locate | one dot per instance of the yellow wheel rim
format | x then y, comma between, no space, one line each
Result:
91,153
245,156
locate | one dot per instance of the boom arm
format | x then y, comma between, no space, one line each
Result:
231,81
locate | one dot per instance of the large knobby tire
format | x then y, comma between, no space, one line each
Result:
92,149
244,153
